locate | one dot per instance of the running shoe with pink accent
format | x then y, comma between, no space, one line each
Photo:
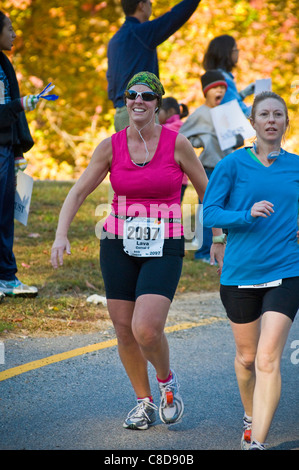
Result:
246,436
171,405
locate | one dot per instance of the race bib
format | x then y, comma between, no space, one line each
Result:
265,284
143,236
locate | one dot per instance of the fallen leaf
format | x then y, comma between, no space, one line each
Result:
26,265
91,286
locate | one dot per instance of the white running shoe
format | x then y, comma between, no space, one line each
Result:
16,288
171,405
257,446
142,415
246,436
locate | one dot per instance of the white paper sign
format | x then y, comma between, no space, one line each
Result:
229,120
264,84
23,197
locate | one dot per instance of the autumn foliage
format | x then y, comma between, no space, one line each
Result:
66,43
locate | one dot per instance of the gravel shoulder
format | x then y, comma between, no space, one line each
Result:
193,307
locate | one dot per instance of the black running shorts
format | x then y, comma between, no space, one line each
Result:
127,277
248,304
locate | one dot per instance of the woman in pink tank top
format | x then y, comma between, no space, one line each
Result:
142,245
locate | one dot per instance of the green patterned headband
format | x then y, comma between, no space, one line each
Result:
148,79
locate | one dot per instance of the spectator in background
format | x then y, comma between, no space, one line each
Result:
15,139
199,129
133,48
223,54
171,114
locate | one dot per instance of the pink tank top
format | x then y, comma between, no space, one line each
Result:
153,190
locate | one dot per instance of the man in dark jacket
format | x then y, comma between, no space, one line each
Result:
133,48
15,139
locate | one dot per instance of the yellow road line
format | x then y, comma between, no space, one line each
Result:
7,374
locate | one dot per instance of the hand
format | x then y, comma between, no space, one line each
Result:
29,102
195,141
262,209
60,245
20,164
249,90
217,254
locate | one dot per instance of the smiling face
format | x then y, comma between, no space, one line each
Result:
138,109
270,120
215,95
7,36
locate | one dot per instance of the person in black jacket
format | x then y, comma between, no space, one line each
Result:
134,47
15,139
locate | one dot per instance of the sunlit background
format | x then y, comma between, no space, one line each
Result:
66,43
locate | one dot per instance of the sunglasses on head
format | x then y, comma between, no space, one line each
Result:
144,95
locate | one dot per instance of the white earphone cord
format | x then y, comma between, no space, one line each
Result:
146,149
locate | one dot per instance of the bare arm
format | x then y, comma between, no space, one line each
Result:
91,178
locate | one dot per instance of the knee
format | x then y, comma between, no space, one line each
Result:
266,362
146,336
124,333
246,360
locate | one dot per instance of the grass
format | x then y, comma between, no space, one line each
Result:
61,306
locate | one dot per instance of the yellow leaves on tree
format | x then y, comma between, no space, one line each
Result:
66,43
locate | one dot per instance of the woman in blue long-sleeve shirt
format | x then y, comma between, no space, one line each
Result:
254,193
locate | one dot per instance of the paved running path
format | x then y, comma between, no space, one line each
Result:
80,402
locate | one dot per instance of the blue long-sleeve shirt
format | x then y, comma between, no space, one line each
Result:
232,93
133,48
258,249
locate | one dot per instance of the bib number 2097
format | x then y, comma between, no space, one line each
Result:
143,236
143,233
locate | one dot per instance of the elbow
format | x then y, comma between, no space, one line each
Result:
208,220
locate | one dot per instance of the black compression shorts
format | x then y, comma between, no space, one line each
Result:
127,277
248,304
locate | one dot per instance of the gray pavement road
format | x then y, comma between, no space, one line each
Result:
80,403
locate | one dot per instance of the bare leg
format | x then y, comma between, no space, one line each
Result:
149,319
135,364
246,338
274,333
